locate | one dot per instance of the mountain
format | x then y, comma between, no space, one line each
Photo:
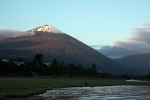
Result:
140,61
45,28
52,43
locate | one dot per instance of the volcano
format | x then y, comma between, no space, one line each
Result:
45,28
53,43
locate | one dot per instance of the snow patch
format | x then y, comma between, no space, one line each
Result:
45,28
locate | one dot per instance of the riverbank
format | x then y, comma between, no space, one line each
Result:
123,92
21,87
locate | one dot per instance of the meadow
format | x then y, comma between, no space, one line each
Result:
22,87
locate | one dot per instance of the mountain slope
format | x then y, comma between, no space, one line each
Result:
141,61
59,46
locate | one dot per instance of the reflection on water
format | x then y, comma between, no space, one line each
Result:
136,80
98,93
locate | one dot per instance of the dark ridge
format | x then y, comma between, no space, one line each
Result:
61,47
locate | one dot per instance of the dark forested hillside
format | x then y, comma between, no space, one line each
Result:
141,61
59,46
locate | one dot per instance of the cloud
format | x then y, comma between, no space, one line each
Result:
148,24
141,36
137,43
139,40
13,33
116,52
96,46
146,27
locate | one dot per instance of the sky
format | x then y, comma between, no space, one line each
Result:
113,27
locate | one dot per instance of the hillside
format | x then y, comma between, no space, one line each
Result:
59,46
141,61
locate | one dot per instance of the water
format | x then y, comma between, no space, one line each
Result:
97,93
136,80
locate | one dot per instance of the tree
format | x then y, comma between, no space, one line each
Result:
54,62
38,58
148,72
20,59
54,67
94,67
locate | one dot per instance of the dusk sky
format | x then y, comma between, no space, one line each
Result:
108,25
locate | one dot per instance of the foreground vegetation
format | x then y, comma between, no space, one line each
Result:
35,77
36,67
21,87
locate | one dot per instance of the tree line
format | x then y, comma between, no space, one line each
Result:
37,67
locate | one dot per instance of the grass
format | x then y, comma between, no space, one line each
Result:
21,87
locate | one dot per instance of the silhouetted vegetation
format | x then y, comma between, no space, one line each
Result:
54,74
37,67
38,59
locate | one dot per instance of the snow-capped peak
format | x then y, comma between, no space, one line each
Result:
45,28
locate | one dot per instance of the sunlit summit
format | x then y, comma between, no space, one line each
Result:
45,28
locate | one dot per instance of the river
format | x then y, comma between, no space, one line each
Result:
97,93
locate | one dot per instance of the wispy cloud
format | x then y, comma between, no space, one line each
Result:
116,52
12,33
96,46
146,27
138,42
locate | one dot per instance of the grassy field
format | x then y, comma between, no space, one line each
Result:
19,87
